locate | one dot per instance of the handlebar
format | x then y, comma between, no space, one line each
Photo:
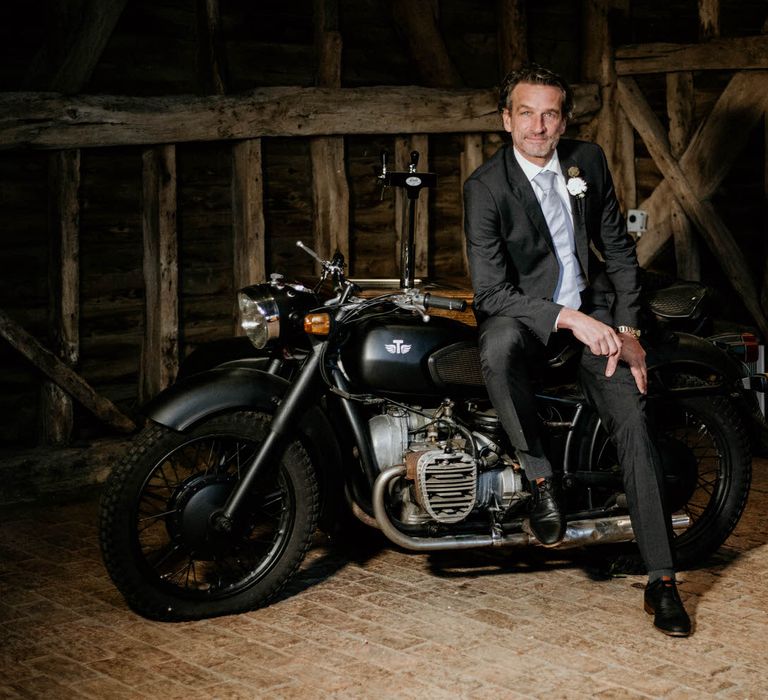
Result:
447,303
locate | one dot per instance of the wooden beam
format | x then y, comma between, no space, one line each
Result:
56,413
44,360
249,231
764,287
612,130
404,145
210,48
34,120
417,19
702,213
680,104
330,189
160,353
512,35
79,33
714,148
330,196
736,53
471,160
709,19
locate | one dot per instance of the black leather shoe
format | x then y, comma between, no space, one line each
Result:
663,602
546,521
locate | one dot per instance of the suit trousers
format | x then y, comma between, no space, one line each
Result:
510,353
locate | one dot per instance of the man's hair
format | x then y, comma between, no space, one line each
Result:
535,75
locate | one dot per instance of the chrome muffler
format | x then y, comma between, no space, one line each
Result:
578,533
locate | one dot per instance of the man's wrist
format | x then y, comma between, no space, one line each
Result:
629,330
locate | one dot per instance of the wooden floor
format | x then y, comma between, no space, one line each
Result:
374,622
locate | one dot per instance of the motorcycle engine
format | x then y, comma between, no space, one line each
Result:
446,479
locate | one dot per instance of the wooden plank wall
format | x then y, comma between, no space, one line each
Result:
229,204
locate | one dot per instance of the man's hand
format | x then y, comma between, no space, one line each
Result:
634,355
601,339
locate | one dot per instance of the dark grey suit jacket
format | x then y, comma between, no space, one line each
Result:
511,255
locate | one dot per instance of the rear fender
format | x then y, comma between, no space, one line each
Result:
685,354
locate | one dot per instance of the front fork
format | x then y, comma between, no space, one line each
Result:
301,394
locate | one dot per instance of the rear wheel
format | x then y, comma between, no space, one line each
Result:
707,466
708,470
155,531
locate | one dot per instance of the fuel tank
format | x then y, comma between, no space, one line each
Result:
398,356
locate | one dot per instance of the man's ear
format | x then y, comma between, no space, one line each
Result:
506,120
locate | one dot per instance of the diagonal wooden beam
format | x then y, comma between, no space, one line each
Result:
701,213
417,19
80,33
710,155
64,376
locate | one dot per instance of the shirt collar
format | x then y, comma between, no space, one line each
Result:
531,170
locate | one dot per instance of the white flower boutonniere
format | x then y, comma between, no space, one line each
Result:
576,185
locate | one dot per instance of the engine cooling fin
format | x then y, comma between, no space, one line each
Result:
446,485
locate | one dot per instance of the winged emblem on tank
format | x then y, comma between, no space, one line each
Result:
397,347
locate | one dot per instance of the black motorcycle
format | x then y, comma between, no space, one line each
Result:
370,405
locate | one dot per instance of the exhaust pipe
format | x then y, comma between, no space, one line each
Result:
578,533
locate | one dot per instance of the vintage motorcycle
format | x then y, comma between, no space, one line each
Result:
370,405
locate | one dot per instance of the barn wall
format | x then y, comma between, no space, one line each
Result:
153,51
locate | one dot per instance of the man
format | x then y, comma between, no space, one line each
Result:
531,213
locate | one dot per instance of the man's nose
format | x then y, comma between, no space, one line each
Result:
538,123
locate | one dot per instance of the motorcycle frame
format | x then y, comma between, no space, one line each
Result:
296,411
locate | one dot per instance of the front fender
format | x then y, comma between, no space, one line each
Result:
207,393
244,388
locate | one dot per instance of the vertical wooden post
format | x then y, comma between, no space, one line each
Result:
764,283
330,189
248,239
512,35
764,280
210,52
160,354
471,160
613,130
56,415
709,19
680,110
403,147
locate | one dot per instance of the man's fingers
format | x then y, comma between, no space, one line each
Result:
610,368
641,379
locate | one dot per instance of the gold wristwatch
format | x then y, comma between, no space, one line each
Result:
628,329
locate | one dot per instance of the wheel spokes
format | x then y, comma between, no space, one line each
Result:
180,493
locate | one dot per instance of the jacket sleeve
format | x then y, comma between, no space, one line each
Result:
494,277
618,250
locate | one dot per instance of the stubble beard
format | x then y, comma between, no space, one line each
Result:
543,149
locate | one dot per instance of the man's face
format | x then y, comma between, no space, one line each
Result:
535,120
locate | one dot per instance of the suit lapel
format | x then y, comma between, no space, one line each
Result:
522,191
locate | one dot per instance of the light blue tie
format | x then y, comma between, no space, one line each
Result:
570,280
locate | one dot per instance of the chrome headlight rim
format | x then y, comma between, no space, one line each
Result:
259,317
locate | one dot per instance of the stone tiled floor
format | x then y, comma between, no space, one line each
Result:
376,622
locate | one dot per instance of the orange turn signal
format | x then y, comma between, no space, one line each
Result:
317,324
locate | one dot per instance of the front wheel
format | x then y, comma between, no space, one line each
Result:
156,539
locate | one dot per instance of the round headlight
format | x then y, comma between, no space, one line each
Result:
259,318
